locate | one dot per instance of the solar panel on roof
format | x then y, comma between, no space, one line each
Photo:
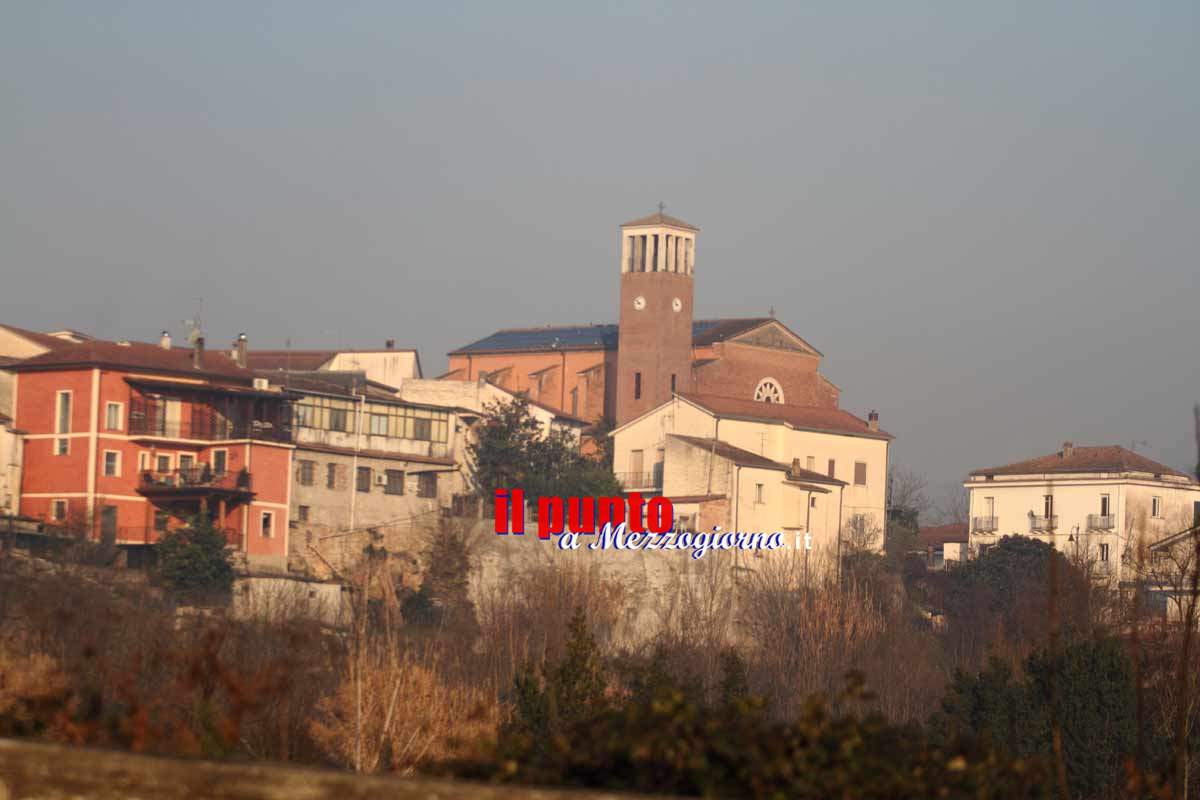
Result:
574,336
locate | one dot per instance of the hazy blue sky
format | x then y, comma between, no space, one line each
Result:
984,214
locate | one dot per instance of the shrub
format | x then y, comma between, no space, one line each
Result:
194,561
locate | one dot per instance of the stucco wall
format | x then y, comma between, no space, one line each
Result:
1075,498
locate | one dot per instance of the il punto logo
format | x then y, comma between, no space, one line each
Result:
619,523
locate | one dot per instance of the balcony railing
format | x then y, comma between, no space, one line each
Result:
640,480
1101,522
190,478
985,525
1043,524
207,429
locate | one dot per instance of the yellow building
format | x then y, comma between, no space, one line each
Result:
1093,503
751,466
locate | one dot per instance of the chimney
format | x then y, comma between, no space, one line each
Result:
873,420
164,341
1068,450
198,353
239,350
390,344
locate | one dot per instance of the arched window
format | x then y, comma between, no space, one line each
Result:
768,391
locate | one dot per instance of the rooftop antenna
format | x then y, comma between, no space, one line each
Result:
193,325
771,312
661,206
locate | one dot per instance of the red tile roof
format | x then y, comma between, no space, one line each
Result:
659,218
304,360
43,339
942,534
814,418
745,458
135,355
299,360
1106,458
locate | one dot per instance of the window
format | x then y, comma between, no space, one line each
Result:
331,476
379,419
362,480
758,493
268,524
58,510
768,391
832,468
62,422
161,521
395,482
143,461
308,473
162,463
1104,553
812,502
1104,505
1156,507
112,416
186,461
378,424
637,386
860,473
811,464
302,513
1048,505
427,484
637,463
220,460
672,383
575,398
112,464
62,447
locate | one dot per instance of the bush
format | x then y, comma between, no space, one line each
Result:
1089,685
194,562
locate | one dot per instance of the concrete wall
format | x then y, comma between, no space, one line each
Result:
389,367
11,448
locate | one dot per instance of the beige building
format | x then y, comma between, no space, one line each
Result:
753,466
364,460
1093,503
389,366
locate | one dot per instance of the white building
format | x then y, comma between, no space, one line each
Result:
755,466
1091,502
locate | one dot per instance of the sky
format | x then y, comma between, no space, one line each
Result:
985,215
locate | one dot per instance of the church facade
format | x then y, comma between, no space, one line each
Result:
657,349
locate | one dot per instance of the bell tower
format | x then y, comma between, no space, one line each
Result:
654,351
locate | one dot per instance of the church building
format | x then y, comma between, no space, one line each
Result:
658,349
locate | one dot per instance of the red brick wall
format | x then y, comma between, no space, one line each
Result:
739,368
656,341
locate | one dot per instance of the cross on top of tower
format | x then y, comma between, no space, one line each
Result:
661,206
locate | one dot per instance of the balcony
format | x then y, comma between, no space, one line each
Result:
193,480
985,525
207,429
1101,522
1043,524
634,481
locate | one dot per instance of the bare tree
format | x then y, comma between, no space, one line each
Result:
907,491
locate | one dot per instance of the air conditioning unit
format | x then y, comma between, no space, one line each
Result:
381,480
261,383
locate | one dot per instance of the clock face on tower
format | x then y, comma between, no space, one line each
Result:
639,303
676,304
